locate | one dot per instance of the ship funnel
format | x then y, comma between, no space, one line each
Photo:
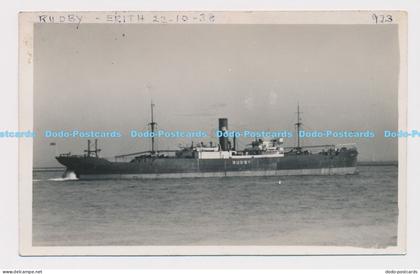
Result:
223,127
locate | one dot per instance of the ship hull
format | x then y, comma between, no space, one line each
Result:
260,173
341,163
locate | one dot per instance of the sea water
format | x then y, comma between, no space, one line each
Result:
355,210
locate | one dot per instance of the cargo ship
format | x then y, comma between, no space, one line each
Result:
260,158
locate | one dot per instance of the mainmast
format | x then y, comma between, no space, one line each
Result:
153,125
298,125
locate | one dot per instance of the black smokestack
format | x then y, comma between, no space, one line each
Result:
223,127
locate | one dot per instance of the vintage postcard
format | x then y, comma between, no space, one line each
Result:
212,133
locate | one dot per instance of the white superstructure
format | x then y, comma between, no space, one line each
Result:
257,149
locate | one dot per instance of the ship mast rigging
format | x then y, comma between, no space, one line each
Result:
153,125
298,124
90,152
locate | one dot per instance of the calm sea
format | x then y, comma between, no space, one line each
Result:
358,210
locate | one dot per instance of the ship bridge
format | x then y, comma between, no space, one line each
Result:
257,149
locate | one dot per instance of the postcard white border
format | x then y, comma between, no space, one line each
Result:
26,24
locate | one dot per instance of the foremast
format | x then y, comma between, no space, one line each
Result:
152,125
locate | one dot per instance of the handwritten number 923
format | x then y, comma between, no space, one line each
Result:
382,18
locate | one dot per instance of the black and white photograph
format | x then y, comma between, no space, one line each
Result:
218,133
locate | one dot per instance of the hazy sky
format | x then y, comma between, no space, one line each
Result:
103,76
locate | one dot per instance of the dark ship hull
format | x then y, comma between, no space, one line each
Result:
337,163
